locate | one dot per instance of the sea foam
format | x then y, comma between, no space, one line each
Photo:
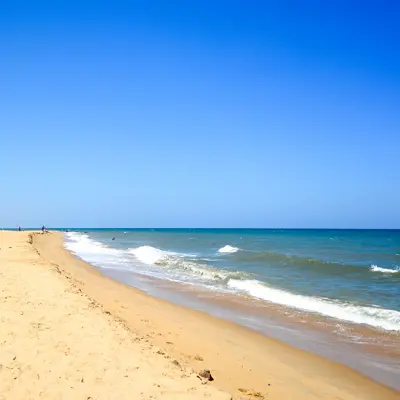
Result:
377,317
178,263
228,249
148,254
375,268
81,243
95,252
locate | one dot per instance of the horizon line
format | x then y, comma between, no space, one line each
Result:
198,228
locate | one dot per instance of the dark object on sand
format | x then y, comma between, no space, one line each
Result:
206,374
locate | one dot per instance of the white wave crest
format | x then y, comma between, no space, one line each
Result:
80,243
148,254
228,249
377,317
176,262
95,252
375,268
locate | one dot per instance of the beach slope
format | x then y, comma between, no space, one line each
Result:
57,343
69,332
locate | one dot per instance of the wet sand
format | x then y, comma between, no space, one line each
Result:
372,352
104,325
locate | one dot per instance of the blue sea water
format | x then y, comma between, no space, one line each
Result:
344,275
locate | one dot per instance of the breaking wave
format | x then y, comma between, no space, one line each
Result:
177,261
375,268
377,317
228,249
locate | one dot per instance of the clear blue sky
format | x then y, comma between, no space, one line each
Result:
200,114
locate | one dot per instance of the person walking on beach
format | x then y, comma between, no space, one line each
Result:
19,229
43,228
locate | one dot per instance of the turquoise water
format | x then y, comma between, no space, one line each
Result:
348,275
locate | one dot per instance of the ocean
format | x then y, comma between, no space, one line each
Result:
334,292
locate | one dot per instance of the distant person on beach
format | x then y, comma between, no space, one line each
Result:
43,228
19,229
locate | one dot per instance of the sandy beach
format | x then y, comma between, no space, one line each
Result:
69,332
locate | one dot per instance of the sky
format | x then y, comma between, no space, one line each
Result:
200,114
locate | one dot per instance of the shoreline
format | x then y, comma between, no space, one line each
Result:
356,349
238,357
243,368
371,351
